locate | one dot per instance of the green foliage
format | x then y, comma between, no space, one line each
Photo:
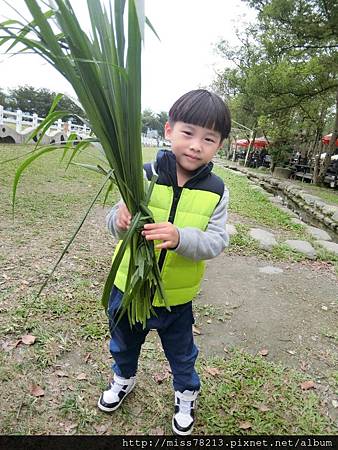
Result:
60,317
154,121
244,383
285,76
149,120
307,26
39,101
3,97
104,68
253,204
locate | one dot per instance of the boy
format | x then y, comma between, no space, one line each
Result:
189,204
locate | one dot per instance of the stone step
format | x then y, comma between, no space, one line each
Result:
231,229
318,233
303,247
330,246
265,239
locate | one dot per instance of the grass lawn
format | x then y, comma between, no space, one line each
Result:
69,359
327,194
256,210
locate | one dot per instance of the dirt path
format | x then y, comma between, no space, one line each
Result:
292,314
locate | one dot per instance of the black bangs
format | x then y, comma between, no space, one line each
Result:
202,108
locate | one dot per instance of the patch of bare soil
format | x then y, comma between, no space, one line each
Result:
293,314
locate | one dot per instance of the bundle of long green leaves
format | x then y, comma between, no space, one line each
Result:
104,68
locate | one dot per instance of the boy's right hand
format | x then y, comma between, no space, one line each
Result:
123,217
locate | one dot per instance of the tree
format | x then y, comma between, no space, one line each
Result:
39,101
306,34
162,119
76,112
30,100
285,75
3,97
150,120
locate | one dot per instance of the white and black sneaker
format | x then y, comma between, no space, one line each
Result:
184,417
114,396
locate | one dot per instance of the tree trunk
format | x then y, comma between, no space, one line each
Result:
273,166
317,163
330,151
251,144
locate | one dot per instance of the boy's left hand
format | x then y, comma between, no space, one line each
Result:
165,231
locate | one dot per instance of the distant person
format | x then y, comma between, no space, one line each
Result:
189,204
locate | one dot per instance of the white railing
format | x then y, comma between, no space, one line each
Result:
24,120
148,141
25,123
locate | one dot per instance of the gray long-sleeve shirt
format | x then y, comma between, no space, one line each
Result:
194,243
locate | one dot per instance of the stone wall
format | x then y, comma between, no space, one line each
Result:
312,205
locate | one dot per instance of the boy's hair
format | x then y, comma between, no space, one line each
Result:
203,108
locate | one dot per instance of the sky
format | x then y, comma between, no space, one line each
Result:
183,59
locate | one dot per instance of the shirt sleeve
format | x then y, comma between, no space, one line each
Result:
111,217
111,222
199,245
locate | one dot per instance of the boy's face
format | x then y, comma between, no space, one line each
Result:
193,146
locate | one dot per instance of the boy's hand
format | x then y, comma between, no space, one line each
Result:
164,231
123,217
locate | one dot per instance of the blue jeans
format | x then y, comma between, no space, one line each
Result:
175,330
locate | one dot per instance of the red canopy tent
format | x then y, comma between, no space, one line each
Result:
242,143
326,139
260,142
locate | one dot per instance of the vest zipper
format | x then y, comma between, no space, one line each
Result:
177,195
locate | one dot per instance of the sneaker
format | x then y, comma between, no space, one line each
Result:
183,419
114,396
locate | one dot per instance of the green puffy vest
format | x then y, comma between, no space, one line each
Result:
181,276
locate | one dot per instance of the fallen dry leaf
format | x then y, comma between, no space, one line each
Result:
213,371
81,376
69,427
60,373
263,352
88,355
160,377
36,391
195,330
28,339
158,431
306,385
245,425
101,429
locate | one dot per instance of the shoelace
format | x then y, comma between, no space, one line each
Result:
185,406
115,387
